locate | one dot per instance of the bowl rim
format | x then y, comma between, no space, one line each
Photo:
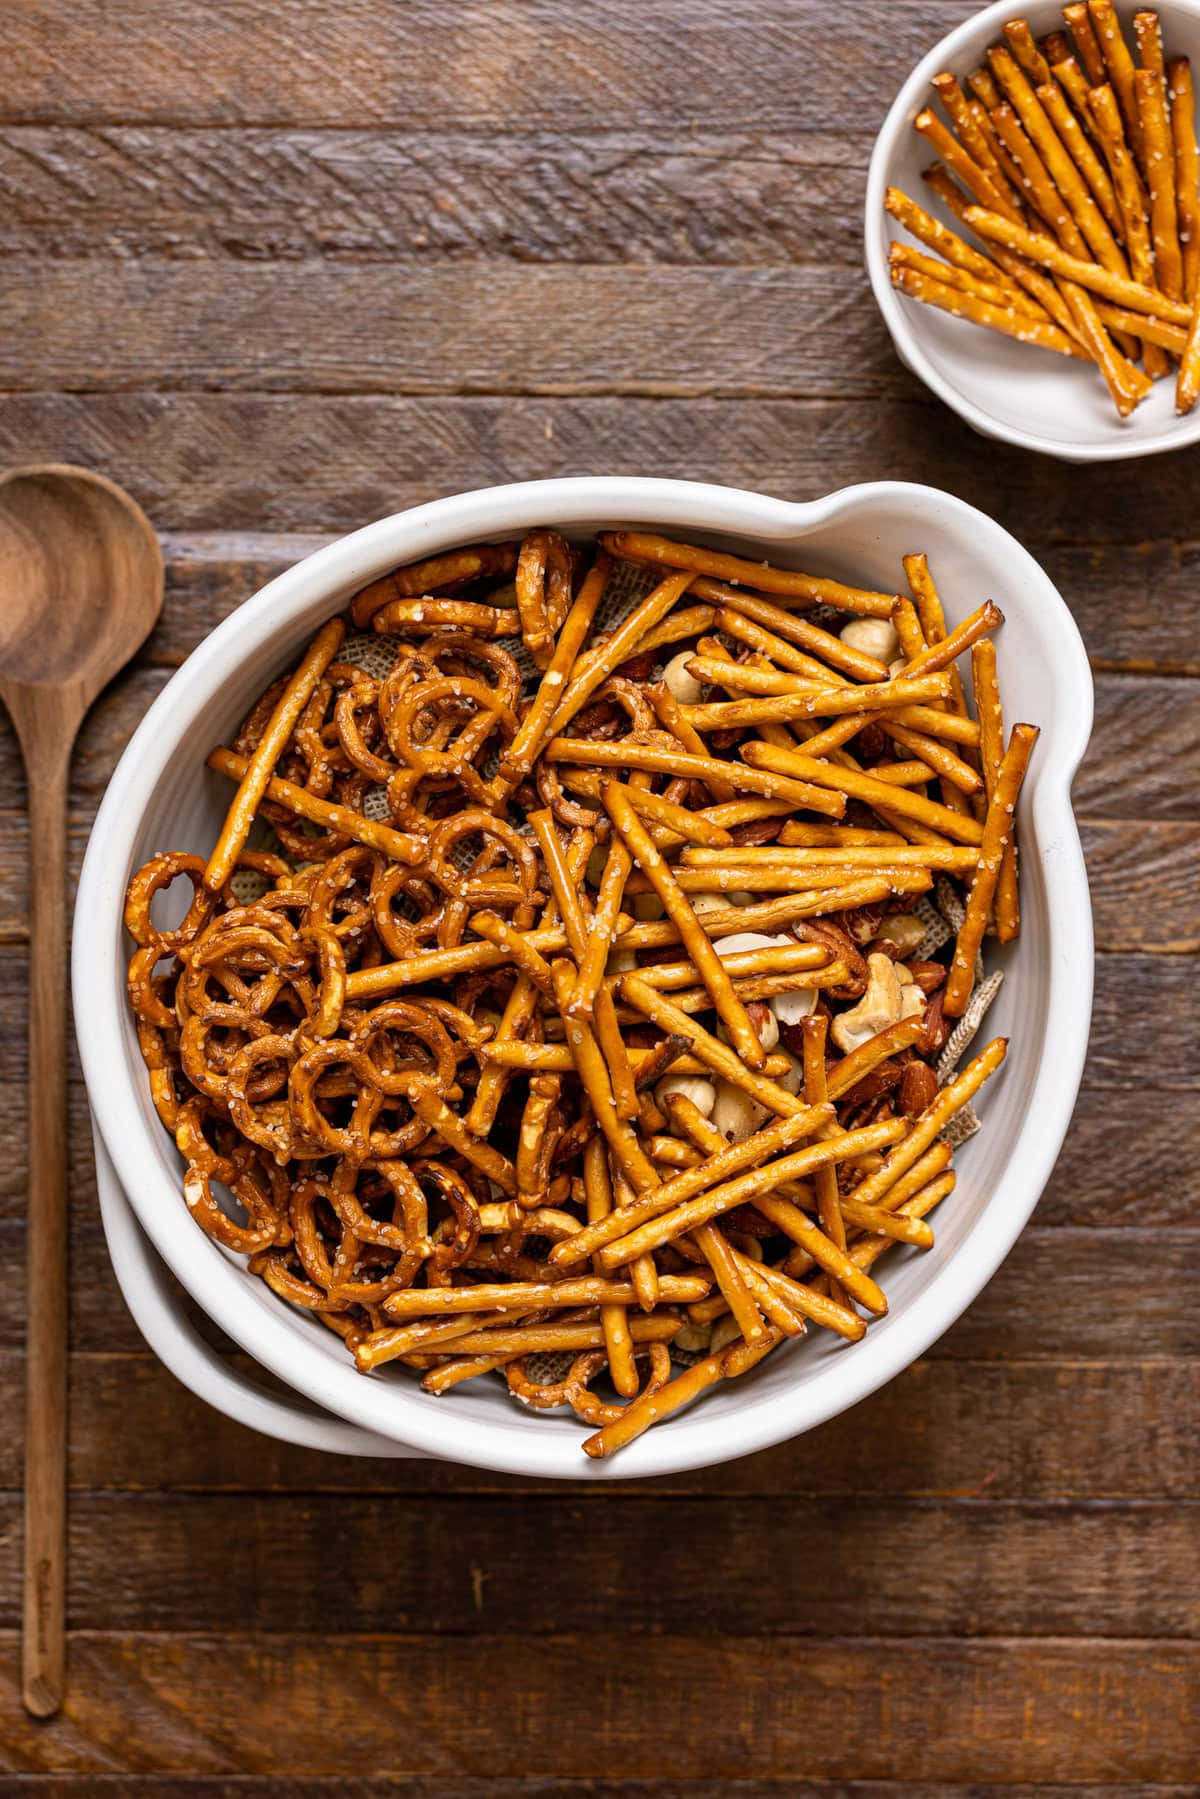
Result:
295,598
898,120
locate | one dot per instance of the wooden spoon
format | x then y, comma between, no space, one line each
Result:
81,585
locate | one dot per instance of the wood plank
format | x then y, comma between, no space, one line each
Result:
486,1786
1005,1711
365,328
1143,879
542,64
191,1563
1065,1293
637,196
944,1429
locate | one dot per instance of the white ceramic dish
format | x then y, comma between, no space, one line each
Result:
161,797
1005,389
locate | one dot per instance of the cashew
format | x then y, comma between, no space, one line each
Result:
702,1093
735,1114
904,929
890,996
709,902
793,1080
680,684
791,1007
871,637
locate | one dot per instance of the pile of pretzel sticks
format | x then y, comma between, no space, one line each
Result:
586,1020
1078,171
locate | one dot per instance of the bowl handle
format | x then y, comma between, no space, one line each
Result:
154,1304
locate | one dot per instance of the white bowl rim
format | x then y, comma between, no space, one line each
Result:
897,317
686,1441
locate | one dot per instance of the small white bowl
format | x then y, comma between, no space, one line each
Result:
161,797
1012,391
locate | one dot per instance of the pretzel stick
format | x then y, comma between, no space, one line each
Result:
457,568
689,622
904,256
1058,110
641,546
949,245
532,1339
1187,170
1079,20
1024,48
742,1034
991,719
690,827
829,702
629,754
399,845
848,855
1130,197
519,757
889,1224
524,1296
973,134
648,1410
731,1160
1033,280
743,612
816,1092
602,930
798,1262
856,785
1070,76
1119,64
956,775
1151,331
931,1123
594,667
614,1319
806,836
670,715
516,946
584,1052
432,614
657,1231
985,188
1159,161
1131,294
257,771
997,835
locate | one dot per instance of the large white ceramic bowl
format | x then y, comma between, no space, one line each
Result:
161,797
1006,389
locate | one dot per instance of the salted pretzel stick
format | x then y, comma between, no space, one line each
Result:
1032,279
436,575
643,998
603,929
931,1123
982,84
1023,45
985,188
689,621
765,626
868,1250
947,244
880,1048
1121,72
972,134
399,845
729,1007
889,1224
649,1409
1149,41
991,720
781,1315
827,702
670,715
997,835
1158,157
1078,19
688,826
856,785
806,836
820,883
521,753
584,1051
1131,294
798,1262
848,855
641,546
904,256
765,1279
1187,169
531,1339
720,1199
516,946
555,1058
1152,332
257,771
957,776
434,1112
932,616
594,667
1187,387
525,1296
821,1246
627,753
1130,198
732,1159
1070,76
816,1092
614,1319
1058,110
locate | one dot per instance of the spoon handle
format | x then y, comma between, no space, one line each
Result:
47,763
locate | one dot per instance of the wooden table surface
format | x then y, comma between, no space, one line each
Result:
282,266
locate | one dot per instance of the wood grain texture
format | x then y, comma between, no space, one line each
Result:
486,1786
528,63
1121,1429
1055,1710
642,195
188,1562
